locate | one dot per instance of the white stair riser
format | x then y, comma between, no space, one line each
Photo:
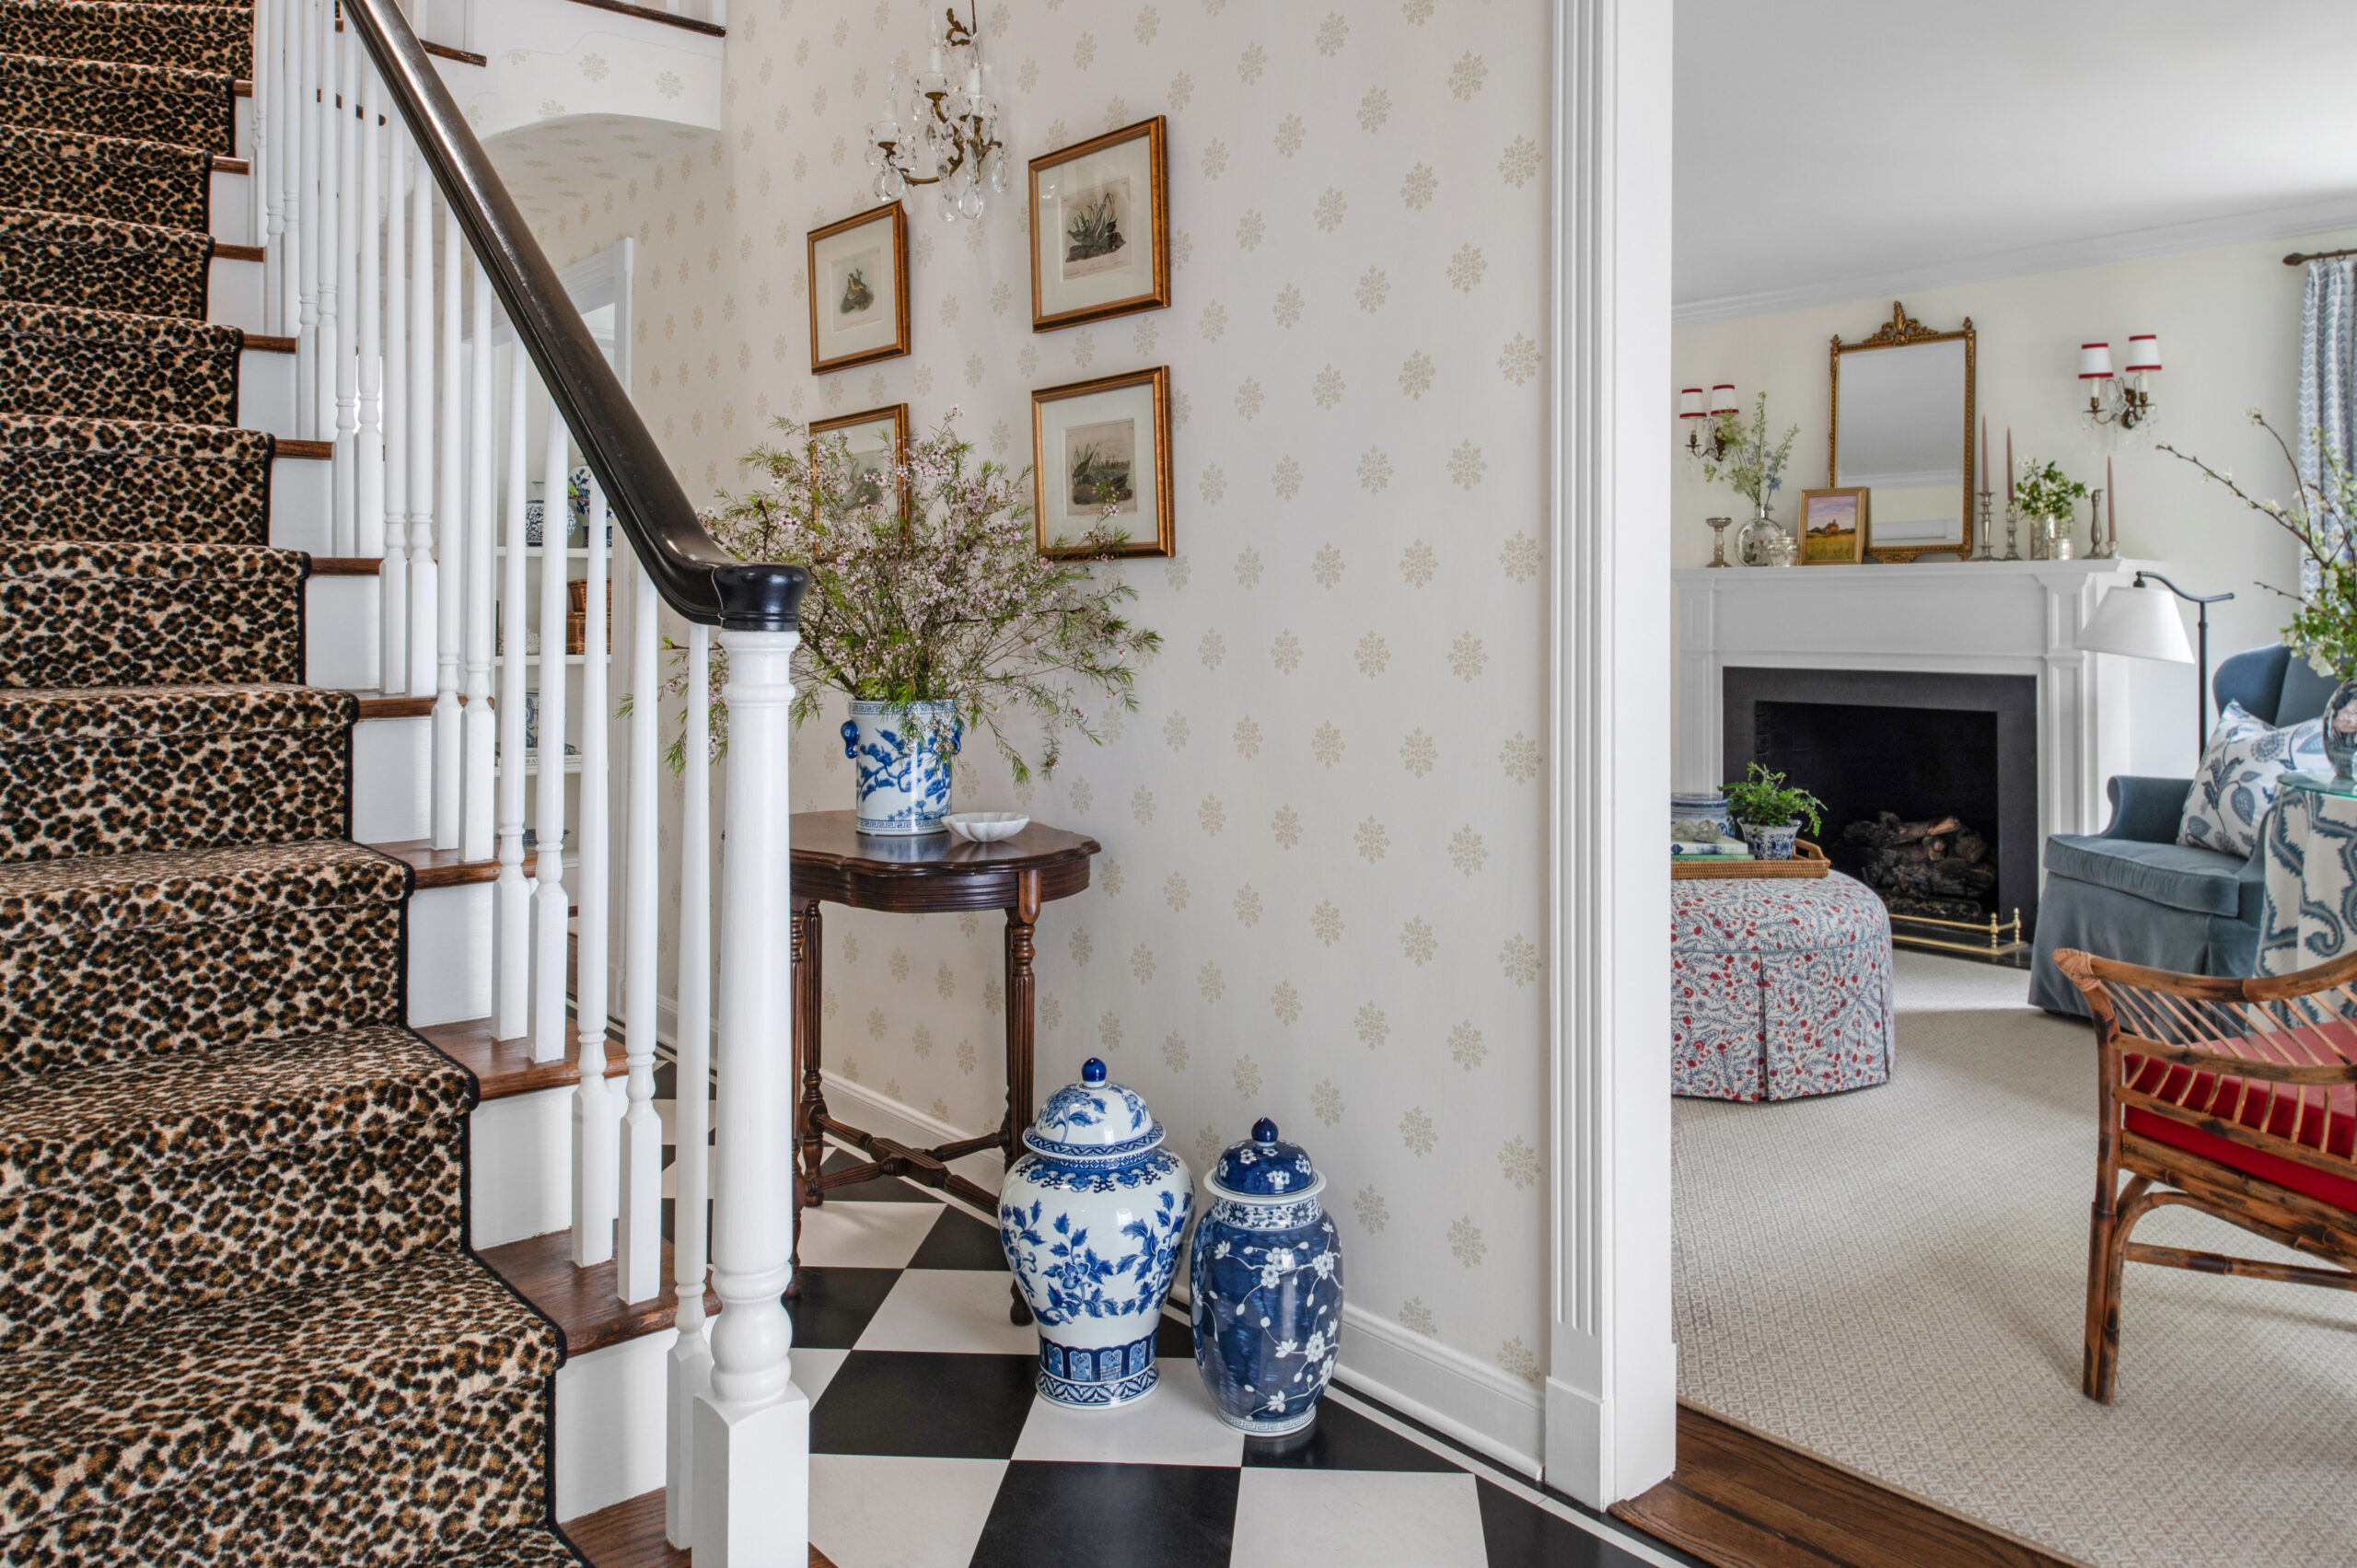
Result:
241,127
233,294
341,643
266,392
302,503
449,954
233,217
609,1421
393,774
521,1158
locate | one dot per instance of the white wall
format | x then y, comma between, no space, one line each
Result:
2229,323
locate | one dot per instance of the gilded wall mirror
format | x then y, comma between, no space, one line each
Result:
1901,427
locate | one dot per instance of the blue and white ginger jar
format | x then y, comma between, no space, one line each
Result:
1091,1218
901,754
1267,1286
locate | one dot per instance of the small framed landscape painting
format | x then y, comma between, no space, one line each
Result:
1834,525
1100,229
859,290
1100,453
877,438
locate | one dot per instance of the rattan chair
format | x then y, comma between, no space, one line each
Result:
2237,1098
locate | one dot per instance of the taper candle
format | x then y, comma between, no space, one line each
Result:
1984,453
2009,465
2110,506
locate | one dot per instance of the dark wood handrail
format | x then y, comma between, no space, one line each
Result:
696,577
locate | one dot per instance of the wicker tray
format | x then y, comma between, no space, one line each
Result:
1807,861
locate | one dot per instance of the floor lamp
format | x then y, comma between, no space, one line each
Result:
2140,623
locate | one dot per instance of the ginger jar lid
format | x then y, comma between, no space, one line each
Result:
1265,1167
1093,1119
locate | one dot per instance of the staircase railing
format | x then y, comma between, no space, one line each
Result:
360,160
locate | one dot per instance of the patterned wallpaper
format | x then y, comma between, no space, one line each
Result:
1322,893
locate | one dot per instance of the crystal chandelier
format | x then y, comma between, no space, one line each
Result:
952,136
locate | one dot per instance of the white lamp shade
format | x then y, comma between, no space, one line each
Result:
2139,623
2094,361
2144,352
1690,403
1723,398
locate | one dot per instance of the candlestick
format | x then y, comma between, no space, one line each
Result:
2012,518
1988,533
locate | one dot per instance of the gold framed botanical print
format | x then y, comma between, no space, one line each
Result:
1834,525
859,289
1100,229
1100,455
878,439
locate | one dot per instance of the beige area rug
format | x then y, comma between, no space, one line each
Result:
1894,1279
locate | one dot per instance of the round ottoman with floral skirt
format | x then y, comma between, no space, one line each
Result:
1778,987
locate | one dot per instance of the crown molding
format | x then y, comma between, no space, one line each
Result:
2201,234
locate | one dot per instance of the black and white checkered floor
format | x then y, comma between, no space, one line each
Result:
928,1448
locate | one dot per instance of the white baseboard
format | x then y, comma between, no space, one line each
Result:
1488,1410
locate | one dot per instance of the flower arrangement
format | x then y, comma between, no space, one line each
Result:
942,598
1753,468
1762,799
2043,490
2324,629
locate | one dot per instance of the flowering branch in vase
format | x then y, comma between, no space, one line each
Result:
1754,468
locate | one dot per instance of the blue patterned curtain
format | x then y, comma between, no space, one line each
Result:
2328,375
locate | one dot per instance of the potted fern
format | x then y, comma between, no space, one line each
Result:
1768,812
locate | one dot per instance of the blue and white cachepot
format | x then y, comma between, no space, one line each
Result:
901,754
1267,1286
1091,1218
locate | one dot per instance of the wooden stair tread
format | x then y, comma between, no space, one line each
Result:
1739,1499
347,566
223,251
263,343
377,706
506,1067
629,1534
447,868
581,1301
225,165
287,446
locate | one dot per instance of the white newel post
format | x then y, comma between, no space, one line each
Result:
425,592
392,672
1611,1362
481,728
595,1136
550,903
752,1442
346,311
369,540
512,898
689,1370
449,551
638,1242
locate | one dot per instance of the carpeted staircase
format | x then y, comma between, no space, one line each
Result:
239,1319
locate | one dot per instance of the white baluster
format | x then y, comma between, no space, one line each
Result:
368,441
512,900
450,552
286,225
751,1443
689,1374
304,207
638,1243
475,838
261,201
594,1134
327,235
349,307
550,903
424,597
393,664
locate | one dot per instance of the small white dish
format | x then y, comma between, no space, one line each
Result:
985,827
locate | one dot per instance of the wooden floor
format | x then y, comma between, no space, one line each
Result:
630,1535
1740,1500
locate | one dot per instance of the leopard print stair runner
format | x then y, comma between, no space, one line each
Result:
238,1319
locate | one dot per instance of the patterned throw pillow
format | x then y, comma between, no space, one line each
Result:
2239,771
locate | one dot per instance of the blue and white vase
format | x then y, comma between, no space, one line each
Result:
901,755
1091,1218
1267,1286
1770,841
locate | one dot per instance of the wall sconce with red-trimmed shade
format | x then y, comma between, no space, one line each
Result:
1700,415
2112,400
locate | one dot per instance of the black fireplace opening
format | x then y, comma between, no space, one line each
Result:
1929,780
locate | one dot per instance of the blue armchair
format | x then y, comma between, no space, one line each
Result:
2134,893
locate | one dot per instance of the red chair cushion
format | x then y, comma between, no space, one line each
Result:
2319,1119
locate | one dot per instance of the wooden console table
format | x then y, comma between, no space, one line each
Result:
926,873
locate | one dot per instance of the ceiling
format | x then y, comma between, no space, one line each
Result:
554,164
1831,149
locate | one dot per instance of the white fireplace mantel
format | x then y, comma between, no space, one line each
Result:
1985,618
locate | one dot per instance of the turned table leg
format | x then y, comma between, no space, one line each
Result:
1022,920
810,1107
